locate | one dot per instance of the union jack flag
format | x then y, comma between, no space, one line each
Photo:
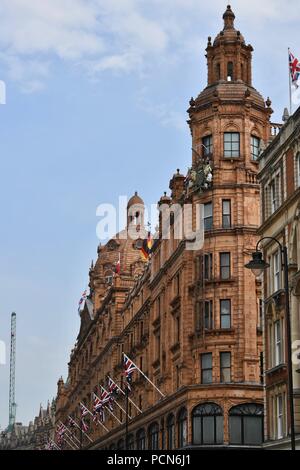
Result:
84,426
112,387
84,411
61,429
72,423
294,69
82,299
129,368
98,408
107,399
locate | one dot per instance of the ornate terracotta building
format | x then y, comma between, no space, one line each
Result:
189,319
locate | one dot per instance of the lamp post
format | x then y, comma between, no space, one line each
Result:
257,266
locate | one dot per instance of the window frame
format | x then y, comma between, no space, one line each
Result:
231,152
225,367
208,219
255,149
226,215
208,266
207,145
208,315
182,427
205,410
206,369
225,266
222,314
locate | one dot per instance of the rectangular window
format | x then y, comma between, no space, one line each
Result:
273,197
208,216
177,329
198,316
231,144
255,147
298,169
279,417
208,315
206,368
208,267
207,146
226,213
278,346
225,266
225,367
225,314
276,271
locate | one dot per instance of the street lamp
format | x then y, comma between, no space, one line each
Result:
258,265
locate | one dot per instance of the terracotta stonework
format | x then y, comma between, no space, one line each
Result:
159,313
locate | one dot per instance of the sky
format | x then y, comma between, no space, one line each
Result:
96,100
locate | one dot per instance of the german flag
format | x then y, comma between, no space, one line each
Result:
146,249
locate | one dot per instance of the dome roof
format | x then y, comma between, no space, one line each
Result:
229,33
135,199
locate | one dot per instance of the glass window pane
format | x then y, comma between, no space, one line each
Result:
219,430
206,376
252,430
225,322
235,430
208,430
225,359
206,361
197,430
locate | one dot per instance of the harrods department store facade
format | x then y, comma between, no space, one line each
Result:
190,320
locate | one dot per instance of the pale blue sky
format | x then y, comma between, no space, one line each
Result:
97,92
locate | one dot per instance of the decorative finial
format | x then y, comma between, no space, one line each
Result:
228,18
209,41
178,171
165,193
268,102
135,193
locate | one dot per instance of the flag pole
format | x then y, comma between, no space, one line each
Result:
115,401
104,427
147,378
120,422
290,81
124,394
127,420
82,430
69,432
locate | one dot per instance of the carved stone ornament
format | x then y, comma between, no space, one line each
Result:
200,177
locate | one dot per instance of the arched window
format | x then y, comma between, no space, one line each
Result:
182,428
130,442
207,424
230,70
246,424
120,445
112,446
141,439
218,71
153,436
171,432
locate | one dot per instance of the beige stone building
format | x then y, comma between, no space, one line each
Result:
34,436
280,207
190,320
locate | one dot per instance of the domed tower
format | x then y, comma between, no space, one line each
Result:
120,256
229,122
